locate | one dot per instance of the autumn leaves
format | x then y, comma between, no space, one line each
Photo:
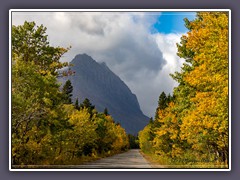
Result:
193,128
190,127
46,128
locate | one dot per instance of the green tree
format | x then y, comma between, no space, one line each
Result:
36,113
162,103
30,44
36,99
67,92
46,128
105,111
77,105
88,105
133,141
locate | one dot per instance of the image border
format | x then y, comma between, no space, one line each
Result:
122,10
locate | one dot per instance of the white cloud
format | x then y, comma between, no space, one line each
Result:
148,86
122,40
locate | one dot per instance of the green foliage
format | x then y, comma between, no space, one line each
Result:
105,111
67,92
88,105
77,105
112,137
36,113
133,141
163,102
46,128
30,44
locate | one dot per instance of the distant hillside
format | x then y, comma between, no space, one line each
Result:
103,88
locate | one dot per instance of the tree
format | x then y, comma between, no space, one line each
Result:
36,99
46,128
193,123
77,105
105,111
36,113
84,134
88,105
67,92
167,141
30,44
144,140
162,103
133,141
202,94
206,125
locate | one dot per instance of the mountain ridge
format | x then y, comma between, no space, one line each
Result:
105,89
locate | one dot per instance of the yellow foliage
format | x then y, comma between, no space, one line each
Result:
195,126
207,122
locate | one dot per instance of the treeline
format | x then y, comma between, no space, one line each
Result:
46,127
191,126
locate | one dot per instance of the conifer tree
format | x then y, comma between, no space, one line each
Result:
67,92
162,103
77,105
88,105
106,111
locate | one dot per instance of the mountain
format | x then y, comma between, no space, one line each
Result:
105,89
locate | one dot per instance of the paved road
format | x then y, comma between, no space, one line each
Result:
130,159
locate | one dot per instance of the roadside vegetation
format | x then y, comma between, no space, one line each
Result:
47,127
190,128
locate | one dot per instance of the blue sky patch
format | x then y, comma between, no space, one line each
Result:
172,22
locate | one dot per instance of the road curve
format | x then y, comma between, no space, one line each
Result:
127,160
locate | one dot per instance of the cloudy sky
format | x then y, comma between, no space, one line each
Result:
140,47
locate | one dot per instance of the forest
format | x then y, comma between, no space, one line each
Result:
191,126
47,128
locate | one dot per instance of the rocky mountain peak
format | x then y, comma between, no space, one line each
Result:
105,89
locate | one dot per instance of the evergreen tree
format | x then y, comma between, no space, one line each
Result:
67,92
106,111
77,105
162,103
169,99
151,121
152,126
87,104
133,141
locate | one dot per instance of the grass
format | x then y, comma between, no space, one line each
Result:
164,162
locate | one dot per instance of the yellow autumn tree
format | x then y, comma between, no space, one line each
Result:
193,128
167,142
121,142
83,135
205,126
145,142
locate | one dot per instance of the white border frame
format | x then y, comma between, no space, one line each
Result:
116,10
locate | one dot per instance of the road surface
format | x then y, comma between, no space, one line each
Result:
128,160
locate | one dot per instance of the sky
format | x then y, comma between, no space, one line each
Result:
139,47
